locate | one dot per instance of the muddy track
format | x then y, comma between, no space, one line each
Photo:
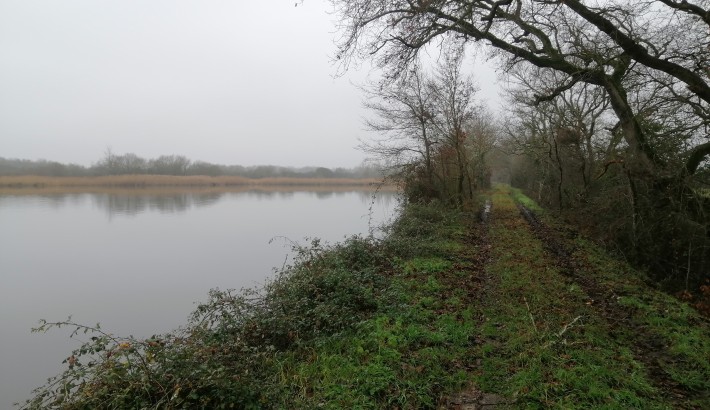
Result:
477,238
480,284
649,348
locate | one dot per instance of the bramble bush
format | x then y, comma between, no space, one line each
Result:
237,347
226,356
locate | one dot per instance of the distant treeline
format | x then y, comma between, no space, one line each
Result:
115,164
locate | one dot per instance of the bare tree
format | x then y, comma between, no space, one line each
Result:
650,59
108,165
454,100
482,137
423,123
170,165
597,43
131,164
569,135
403,117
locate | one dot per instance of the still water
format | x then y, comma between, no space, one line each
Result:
138,261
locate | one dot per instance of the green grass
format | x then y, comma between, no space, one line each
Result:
593,364
549,348
407,322
521,198
430,265
362,324
414,350
671,323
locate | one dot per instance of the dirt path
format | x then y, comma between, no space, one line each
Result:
650,348
476,257
564,325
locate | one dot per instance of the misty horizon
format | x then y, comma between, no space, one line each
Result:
308,167
175,165
224,82
255,165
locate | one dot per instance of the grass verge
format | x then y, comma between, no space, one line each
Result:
362,324
583,329
544,346
441,309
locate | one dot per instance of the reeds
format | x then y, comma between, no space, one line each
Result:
146,181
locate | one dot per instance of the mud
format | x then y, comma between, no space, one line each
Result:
649,348
473,399
479,284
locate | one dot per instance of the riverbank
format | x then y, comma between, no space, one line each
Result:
162,191
448,310
148,181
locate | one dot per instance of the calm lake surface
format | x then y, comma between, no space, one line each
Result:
138,261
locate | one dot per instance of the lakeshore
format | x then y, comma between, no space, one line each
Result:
451,309
188,181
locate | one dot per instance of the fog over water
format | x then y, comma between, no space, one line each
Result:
230,82
137,262
227,82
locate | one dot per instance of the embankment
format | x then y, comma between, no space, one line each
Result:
450,310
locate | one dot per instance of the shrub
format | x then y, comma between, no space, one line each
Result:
227,355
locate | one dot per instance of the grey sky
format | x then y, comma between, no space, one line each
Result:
224,81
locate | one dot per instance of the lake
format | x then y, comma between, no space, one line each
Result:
137,261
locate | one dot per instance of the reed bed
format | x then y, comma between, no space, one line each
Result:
148,181
173,190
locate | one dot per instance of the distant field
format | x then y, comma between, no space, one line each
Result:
156,181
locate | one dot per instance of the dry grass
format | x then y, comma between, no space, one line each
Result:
172,190
147,181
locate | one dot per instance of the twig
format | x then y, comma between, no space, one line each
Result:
568,325
532,319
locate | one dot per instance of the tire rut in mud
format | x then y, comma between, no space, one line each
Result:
480,284
648,348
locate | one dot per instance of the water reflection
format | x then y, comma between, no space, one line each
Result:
137,260
117,203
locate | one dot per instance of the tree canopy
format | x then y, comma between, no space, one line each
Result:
609,103
658,48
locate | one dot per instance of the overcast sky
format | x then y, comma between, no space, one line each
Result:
224,81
